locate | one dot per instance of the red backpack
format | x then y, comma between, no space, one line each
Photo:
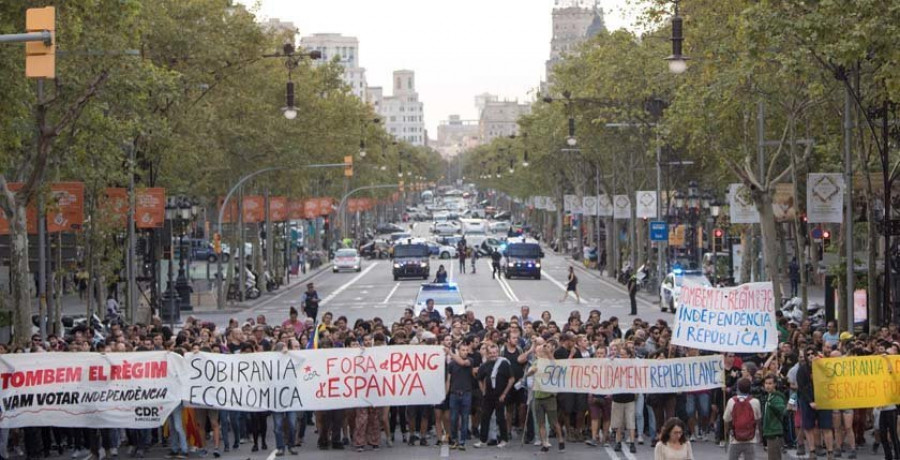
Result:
743,421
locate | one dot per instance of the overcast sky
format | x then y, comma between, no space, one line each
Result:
458,48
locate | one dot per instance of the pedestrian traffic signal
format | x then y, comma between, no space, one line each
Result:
327,224
348,166
826,239
40,56
718,243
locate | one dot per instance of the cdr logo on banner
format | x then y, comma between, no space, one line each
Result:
143,414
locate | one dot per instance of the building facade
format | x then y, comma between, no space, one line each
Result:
574,22
346,51
500,119
402,112
456,135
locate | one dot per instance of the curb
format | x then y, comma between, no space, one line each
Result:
270,296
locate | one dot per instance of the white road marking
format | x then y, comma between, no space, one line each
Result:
611,453
509,295
505,283
627,453
390,294
357,298
347,284
445,451
272,455
552,280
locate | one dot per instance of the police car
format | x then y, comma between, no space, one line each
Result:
444,295
670,288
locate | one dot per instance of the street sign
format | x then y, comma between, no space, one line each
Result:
817,233
659,231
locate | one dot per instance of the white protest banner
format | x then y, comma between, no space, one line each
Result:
741,206
323,379
604,206
738,319
645,203
603,376
538,202
572,204
825,198
589,205
621,207
77,390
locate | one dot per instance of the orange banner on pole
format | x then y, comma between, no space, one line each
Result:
295,209
254,209
278,208
352,205
325,205
65,209
311,208
150,207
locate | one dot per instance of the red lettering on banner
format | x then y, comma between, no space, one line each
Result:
40,377
403,362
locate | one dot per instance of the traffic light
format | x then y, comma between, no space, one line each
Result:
826,239
217,243
40,56
718,244
327,224
348,166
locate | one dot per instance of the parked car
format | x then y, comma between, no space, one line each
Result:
347,259
385,229
501,227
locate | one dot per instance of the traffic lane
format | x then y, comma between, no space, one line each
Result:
515,449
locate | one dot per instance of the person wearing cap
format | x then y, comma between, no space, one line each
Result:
310,301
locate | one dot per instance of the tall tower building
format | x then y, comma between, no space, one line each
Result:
402,112
346,51
574,22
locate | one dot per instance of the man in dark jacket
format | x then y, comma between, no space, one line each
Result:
773,408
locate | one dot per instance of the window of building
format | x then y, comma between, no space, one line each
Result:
409,83
397,83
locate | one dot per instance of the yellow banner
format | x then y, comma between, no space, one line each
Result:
856,382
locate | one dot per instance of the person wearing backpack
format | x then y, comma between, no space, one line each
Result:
742,420
774,409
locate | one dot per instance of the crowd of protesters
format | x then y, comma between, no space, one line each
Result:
490,399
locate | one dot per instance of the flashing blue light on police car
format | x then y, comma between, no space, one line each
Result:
677,270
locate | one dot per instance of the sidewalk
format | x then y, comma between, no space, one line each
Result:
203,300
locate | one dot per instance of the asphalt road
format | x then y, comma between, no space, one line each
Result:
373,292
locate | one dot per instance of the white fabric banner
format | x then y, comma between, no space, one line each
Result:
825,198
603,376
743,211
538,202
589,205
738,319
604,206
76,390
323,379
572,204
621,207
645,202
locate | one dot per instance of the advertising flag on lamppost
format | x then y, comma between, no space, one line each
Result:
621,207
604,206
645,202
825,198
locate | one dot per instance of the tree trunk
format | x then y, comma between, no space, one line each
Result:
748,259
19,276
609,225
769,238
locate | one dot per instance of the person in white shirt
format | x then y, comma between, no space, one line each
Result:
738,446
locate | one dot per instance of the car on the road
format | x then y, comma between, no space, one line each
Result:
386,229
444,295
670,288
442,251
411,261
523,259
445,228
375,249
400,236
501,227
347,259
449,240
